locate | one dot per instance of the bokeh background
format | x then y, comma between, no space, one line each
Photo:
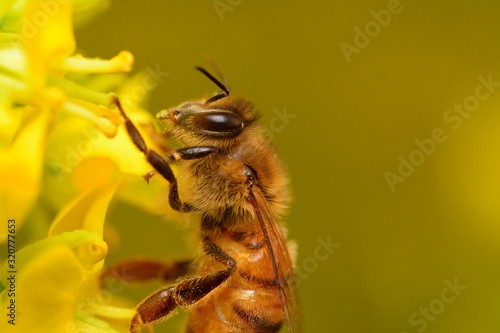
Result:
351,119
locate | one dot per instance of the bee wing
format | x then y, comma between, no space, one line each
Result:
280,257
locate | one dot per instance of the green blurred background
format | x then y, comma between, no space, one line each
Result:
351,123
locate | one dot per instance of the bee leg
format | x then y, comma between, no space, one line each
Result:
158,162
162,302
145,269
190,153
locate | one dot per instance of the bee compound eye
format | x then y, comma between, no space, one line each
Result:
218,121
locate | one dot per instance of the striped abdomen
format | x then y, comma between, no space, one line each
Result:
248,301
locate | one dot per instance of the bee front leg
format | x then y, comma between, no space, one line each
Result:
160,164
162,302
182,154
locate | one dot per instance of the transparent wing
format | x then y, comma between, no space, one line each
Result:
280,258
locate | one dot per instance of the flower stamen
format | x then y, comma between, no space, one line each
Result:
120,63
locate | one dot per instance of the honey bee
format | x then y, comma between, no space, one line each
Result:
244,279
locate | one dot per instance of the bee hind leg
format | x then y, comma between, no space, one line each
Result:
161,303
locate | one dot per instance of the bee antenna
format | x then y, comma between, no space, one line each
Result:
214,80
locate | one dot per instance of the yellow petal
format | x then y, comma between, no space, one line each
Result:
134,165
48,38
76,240
122,150
9,122
73,141
13,88
96,172
21,169
45,293
98,177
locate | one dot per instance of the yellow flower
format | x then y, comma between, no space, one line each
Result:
61,144
53,284
36,58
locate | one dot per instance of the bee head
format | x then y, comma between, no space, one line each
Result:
220,118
